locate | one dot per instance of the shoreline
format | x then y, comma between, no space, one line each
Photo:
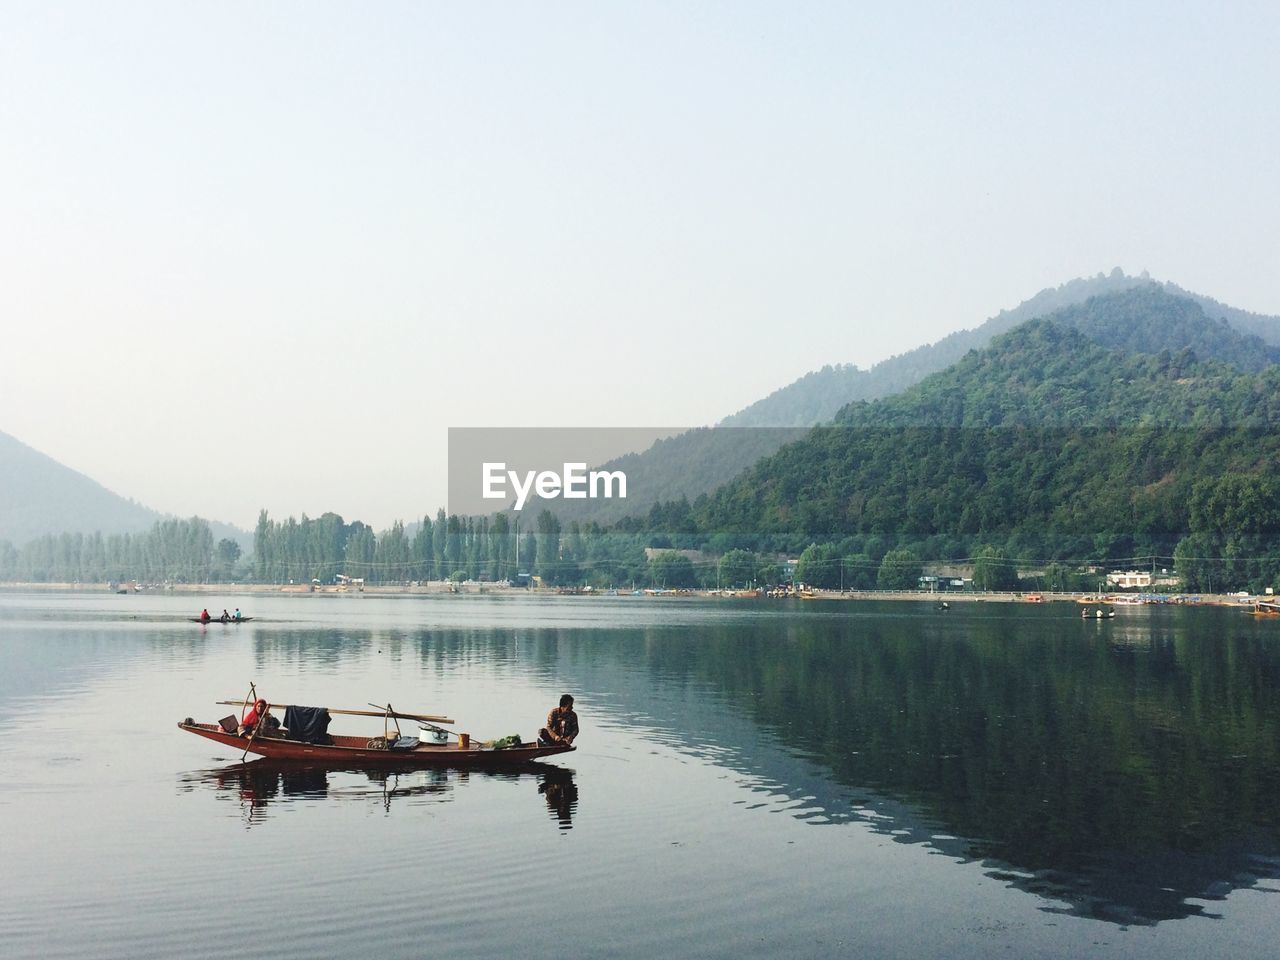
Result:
444,587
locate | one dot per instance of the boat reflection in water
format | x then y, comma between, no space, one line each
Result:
261,784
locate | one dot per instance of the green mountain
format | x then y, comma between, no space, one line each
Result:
1046,445
1132,313
1261,325
816,396
1150,319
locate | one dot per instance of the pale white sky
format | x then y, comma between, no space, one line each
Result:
317,235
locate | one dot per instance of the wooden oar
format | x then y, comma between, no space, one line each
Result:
358,713
257,725
252,695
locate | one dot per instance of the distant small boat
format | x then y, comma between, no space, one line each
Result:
219,620
1266,608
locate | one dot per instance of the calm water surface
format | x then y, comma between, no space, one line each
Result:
753,780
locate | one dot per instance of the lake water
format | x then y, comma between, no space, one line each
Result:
753,779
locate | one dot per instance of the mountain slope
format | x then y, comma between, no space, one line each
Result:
40,495
1259,324
1045,444
1137,315
816,396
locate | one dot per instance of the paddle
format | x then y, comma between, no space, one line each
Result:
389,716
258,724
464,739
361,713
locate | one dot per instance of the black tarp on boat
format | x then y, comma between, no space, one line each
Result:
308,724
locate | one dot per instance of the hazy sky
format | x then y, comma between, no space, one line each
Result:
314,236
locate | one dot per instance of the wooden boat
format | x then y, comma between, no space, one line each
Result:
219,620
351,751
1102,613
1266,608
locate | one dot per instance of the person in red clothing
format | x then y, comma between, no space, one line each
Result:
250,721
204,615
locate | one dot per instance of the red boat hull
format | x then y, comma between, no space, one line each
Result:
356,751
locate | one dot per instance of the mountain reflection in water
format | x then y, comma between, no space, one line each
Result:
261,785
1125,770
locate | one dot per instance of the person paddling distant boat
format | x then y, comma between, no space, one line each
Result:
204,615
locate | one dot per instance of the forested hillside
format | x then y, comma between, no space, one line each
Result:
1133,313
816,397
1045,446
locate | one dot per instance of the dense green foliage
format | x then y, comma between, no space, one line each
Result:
992,570
458,548
178,551
1127,313
324,547
672,570
681,466
738,568
820,566
1046,446
899,570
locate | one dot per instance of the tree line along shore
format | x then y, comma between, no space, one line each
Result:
446,587
331,555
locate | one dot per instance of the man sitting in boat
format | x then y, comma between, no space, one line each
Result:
562,724
204,615
226,617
